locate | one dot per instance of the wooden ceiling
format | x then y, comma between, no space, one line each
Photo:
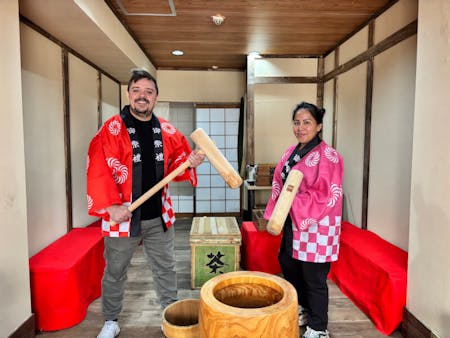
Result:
276,28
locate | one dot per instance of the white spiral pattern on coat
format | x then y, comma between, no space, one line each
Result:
306,223
313,159
114,127
168,128
119,171
336,193
332,155
276,190
90,202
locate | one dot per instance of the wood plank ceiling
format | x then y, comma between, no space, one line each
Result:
276,28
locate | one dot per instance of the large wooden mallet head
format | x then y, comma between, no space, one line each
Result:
215,156
284,203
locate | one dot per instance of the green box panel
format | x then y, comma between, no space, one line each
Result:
211,261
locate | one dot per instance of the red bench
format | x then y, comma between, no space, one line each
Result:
373,274
66,277
259,249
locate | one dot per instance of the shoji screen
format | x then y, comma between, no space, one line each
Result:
212,193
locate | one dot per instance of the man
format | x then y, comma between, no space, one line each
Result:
129,155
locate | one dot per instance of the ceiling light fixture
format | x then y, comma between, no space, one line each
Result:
218,19
215,67
177,52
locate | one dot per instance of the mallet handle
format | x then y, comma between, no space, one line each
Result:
158,186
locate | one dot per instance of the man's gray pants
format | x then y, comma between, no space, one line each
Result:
159,250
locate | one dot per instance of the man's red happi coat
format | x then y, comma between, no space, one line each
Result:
109,171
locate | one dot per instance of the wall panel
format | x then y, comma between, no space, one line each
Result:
354,46
273,115
110,97
83,126
391,142
350,137
44,139
397,17
328,101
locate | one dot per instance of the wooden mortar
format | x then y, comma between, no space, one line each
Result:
248,304
180,319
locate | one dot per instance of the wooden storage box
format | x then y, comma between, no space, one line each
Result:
258,219
263,180
215,248
264,174
264,169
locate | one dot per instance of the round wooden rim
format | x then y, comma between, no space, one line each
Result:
289,294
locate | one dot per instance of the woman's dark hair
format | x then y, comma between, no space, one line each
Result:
316,112
139,73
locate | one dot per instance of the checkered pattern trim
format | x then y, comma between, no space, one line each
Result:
168,214
319,243
116,230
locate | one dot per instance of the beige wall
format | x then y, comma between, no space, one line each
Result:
44,139
201,86
273,104
273,117
350,137
110,97
428,296
43,112
83,126
391,142
14,278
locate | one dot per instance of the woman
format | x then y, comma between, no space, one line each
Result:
311,232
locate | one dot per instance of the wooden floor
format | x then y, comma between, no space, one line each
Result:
141,315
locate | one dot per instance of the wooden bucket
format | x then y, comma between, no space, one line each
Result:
180,319
248,304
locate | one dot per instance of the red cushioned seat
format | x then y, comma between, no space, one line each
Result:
259,249
66,277
373,274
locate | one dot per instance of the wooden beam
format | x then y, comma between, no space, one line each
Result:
404,33
250,113
99,100
320,84
335,100
67,154
284,79
367,131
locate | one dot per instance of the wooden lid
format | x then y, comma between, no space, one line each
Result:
215,230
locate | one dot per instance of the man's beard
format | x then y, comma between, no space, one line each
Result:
141,112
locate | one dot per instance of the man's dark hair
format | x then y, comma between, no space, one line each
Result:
139,73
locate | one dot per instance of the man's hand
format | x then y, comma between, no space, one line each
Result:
196,158
118,213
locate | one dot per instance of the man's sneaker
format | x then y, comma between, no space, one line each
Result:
111,329
310,333
302,316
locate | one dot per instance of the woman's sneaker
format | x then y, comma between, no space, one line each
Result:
310,333
302,316
111,329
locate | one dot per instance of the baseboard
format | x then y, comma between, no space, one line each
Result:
413,328
26,330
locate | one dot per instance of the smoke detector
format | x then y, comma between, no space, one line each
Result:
218,19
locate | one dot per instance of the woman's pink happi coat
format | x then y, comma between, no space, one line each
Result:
316,211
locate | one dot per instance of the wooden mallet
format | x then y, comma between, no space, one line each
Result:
284,202
215,156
